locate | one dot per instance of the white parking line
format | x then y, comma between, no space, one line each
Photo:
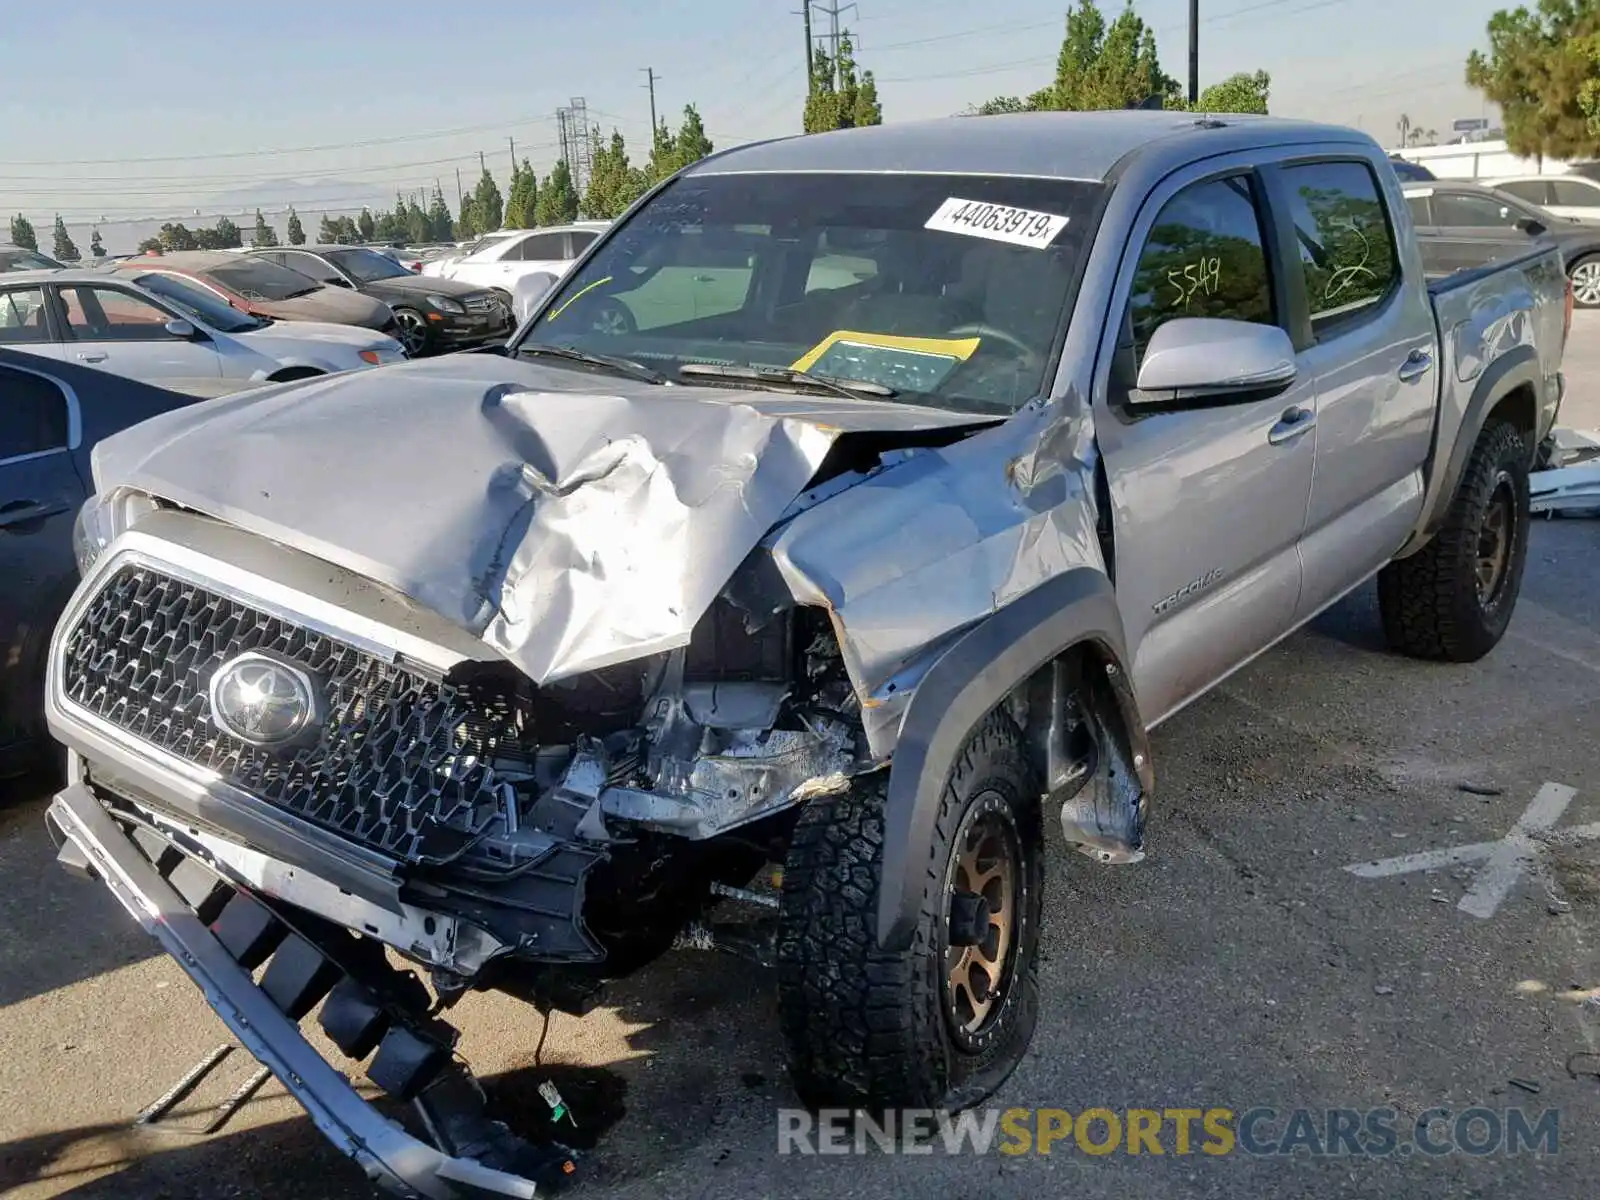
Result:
1516,853
1504,861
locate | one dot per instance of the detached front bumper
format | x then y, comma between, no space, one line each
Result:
388,1154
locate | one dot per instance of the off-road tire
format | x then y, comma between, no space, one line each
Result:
867,1028
1430,601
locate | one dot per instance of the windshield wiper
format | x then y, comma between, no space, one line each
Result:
852,389
622,366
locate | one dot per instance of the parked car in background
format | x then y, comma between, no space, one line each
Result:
1409,171
460,250
52,416
263,289
1465,225
500,259
433,314
1574,196
166,330
20,258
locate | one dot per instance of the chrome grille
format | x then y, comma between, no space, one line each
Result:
482,304
399,761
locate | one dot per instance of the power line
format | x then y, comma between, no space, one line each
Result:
180,158
1002,27
189,183
990,69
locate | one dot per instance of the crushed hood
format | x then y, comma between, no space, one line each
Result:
570,519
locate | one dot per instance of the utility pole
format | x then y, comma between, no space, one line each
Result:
833,31
482,166
512,142
461,197
1194,52
811,65
650,82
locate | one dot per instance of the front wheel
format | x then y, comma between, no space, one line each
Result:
413,331
1585,276
1452,600
943,1023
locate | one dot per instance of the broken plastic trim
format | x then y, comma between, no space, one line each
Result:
1571,491
390,1157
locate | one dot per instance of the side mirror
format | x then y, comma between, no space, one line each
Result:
1197,358
180,328
529,291
1531,227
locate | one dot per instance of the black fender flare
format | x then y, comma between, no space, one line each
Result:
1516,368
967,681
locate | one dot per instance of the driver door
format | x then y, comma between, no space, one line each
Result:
118,330
1208,501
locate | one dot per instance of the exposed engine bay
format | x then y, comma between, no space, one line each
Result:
650,782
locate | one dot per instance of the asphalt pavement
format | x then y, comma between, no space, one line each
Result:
1243,965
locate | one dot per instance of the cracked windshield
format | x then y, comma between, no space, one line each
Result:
898,284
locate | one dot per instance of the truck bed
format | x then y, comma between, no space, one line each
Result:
1498,255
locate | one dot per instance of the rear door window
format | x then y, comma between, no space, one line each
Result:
22,317
34,417
1346,241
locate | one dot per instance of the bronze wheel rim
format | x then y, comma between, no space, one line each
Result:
1495,542
985,874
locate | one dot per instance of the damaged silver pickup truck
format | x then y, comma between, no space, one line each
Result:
856,506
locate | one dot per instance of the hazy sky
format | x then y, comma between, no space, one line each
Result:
125,109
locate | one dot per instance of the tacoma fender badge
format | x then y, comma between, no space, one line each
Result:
1189,589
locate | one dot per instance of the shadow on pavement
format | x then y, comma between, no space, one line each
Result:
696,1064
54,930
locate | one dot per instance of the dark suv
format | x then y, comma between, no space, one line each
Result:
434,314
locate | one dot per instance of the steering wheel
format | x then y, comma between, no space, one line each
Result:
978,329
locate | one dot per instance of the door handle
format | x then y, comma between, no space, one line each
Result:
92,356
22,512
1294,423
1418,363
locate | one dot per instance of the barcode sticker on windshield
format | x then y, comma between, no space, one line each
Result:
998,222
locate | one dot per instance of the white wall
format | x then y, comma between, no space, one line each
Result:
1477,160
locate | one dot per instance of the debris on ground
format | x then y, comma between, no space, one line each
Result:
1570,485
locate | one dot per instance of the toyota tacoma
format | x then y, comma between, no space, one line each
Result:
827,542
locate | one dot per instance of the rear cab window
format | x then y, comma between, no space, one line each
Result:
1346,242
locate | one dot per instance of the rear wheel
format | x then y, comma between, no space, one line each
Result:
943,1023
1453,599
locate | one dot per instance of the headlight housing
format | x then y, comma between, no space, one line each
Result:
101,519
445,304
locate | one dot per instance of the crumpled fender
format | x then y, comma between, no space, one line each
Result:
968,681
